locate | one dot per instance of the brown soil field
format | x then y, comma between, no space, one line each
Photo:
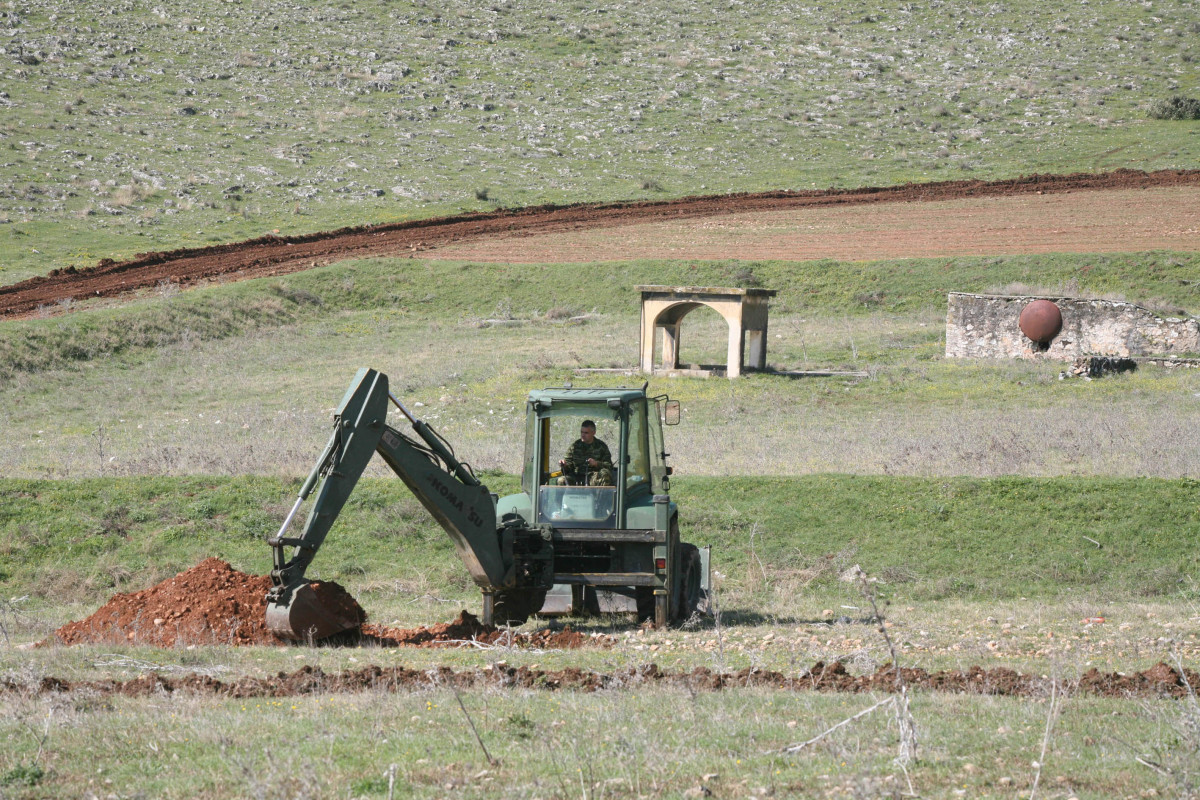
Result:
1125,210
1129,220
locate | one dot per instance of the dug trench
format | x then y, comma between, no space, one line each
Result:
1158,681
213,603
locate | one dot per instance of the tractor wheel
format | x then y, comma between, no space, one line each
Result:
514,606
688,599
645,604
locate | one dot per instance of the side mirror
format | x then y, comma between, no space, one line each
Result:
671,412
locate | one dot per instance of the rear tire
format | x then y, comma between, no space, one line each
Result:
645,604
688,599
514,606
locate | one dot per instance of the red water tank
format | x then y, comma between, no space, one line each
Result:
1040,321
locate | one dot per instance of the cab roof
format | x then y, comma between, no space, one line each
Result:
598,396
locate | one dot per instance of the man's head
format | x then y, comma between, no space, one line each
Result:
587,431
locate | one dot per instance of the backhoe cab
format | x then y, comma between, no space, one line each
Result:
552,549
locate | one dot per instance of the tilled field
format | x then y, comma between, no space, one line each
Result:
274,255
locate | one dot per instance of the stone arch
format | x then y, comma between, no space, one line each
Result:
745,310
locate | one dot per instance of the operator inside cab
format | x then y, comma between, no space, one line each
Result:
588,461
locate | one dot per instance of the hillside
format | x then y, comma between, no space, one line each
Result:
134,127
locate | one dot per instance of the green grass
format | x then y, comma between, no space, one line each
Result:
241,378
395,290
1004,539
146,130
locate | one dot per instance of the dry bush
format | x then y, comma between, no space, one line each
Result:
1176,756
131,193
63,584
560,312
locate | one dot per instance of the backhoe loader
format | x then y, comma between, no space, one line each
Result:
562,545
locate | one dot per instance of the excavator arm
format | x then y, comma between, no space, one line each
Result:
427,465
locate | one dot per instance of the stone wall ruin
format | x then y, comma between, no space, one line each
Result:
986,326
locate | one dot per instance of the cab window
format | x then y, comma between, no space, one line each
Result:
638,468
658,465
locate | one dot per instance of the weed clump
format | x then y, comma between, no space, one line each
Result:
1176,107
560,313
746,278
23,775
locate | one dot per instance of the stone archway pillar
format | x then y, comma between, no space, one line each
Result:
670,345
745,311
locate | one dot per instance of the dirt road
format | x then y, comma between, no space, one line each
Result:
1125,210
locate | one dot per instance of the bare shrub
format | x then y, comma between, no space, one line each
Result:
746,279
898,574
65,585
1177,754
132,193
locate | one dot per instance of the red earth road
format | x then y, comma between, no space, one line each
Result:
275,255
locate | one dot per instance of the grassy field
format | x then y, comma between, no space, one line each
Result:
138,127
129,390
776,566
1001,509
995,573
648,743
69,544
183,431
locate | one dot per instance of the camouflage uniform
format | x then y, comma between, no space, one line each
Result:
578,454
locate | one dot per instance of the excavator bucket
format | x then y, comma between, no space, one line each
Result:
302,613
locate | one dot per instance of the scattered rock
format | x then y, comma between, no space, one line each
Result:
852,574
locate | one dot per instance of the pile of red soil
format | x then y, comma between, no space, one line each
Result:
1158,681
213,603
